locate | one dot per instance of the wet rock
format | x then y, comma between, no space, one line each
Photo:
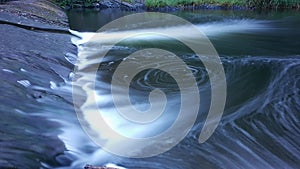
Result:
33,12
108,4
95,167
29,60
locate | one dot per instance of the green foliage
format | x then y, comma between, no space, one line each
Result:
162,3
249,3
63,3
274,3
73,3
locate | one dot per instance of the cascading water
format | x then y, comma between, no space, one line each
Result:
262,102
259,127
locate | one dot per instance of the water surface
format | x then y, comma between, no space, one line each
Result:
260,125
260,53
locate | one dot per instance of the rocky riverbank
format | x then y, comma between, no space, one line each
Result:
33,45
35,12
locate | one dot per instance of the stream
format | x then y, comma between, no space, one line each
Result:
259,128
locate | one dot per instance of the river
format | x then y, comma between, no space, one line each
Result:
259,128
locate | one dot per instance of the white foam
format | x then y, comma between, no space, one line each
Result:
208,29
25,83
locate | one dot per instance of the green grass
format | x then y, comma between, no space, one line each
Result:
245,3
161,3
274,3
